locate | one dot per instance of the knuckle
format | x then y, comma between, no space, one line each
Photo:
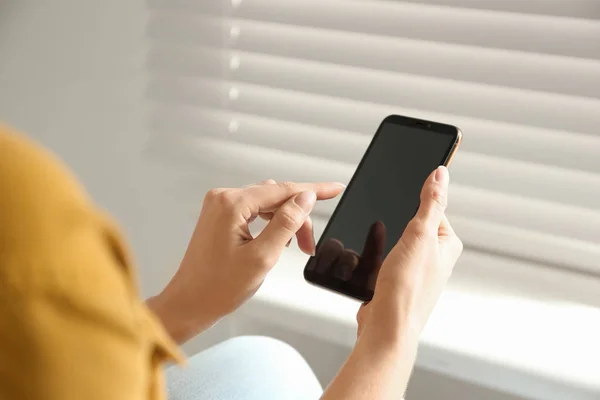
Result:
288,220
359,316
439,197
223,198
419,230
261,258
227,200
286,185
212,195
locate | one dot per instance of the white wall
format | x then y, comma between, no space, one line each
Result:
72,77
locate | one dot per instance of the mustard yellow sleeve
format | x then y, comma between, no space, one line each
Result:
71,323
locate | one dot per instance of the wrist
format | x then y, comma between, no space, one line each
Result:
170,317
379,366
392,341
181,321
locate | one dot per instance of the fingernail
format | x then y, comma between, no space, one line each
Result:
288,243
306,201
441,175
340,184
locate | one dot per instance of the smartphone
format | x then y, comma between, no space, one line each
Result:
381,198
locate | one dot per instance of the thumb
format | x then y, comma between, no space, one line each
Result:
286,221
434,198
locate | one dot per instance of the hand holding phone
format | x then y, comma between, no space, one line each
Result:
410,281
381,199
416,270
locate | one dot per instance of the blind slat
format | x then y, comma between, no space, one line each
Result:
512,141
509,176
476,203
560,149
588,9
532,71
585,9
471,201
437,95
481,28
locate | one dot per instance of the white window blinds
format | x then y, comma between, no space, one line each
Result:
245,90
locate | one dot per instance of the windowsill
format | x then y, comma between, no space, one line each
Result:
511,326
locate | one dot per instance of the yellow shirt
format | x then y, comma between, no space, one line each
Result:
72,325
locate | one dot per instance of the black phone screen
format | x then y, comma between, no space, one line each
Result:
377,205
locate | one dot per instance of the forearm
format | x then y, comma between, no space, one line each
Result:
374,370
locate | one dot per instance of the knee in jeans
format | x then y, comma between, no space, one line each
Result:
263,346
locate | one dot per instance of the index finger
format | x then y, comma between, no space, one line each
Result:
267,198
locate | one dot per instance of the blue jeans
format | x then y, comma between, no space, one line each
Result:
245,368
